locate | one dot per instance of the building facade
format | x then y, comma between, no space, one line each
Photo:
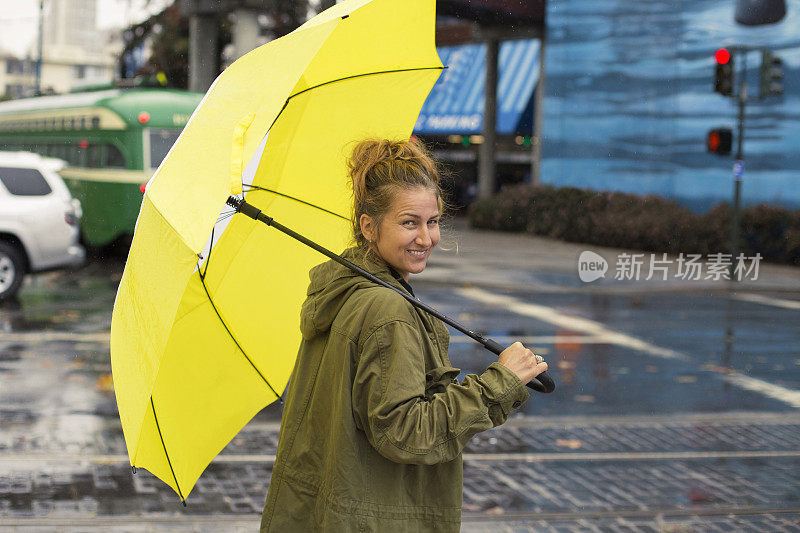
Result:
74,53
630,100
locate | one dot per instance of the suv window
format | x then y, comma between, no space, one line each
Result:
24,181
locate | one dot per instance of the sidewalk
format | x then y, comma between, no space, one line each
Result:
525,262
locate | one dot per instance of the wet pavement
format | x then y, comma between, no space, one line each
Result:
675,411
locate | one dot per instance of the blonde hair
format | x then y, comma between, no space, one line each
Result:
379,169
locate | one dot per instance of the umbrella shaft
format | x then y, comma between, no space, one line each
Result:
253,212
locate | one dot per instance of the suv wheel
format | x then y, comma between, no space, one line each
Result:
12,270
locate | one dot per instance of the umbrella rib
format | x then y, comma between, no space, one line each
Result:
230,333
316,87
160,436
256,187
359,76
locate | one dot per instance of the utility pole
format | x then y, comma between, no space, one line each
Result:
538,115
39,53
486,167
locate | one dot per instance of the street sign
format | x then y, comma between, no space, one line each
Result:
738,169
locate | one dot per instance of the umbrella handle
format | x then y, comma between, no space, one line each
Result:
541,383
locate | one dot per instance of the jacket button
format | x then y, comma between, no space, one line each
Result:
516,404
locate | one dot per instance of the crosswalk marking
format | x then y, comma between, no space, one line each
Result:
761,299
778,392
590,327
573,323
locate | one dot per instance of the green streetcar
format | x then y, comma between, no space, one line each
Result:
112,141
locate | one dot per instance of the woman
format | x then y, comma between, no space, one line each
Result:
375,420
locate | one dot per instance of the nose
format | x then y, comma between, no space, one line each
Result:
423,237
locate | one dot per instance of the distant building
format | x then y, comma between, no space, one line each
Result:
16,75
75,52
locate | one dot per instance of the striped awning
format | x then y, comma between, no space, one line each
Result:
455,105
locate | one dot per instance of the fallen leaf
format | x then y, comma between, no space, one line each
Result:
572,444
584,398
686,379
105,383
652,369
565,365
716,368
699,496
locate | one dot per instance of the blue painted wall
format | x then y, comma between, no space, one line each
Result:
629,101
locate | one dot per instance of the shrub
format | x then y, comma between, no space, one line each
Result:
649,223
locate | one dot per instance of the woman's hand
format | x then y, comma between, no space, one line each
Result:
522,362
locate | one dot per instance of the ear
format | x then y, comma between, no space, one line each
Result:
367,227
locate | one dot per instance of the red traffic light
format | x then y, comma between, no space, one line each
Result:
722,56
719,141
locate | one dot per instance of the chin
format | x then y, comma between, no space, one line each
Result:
417,269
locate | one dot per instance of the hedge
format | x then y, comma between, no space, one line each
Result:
649,223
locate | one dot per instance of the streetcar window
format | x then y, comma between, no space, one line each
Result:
24,181
161,140
95,122
95,156
114,158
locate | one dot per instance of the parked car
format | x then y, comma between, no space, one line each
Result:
38,219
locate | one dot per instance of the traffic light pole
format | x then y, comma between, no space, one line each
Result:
770,84
738,167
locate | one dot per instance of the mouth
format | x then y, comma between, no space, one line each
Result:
418,253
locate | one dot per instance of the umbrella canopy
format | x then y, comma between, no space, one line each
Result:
205,327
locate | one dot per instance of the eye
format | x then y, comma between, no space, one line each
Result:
408,223
433,222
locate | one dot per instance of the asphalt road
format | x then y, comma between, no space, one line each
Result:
675,411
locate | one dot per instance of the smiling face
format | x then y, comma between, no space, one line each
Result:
409,230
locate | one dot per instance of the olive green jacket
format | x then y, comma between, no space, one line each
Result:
375,420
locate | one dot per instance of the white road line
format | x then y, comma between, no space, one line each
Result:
573,323
113,459
778,392
626,456
761,299
476,457
54,336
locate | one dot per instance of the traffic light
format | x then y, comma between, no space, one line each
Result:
723,77
720,141
771,82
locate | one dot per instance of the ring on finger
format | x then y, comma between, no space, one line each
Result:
539,359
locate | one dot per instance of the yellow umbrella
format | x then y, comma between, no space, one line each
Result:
203,334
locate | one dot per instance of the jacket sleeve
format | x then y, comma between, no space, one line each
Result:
405,426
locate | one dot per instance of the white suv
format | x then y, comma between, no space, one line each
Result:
38,219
